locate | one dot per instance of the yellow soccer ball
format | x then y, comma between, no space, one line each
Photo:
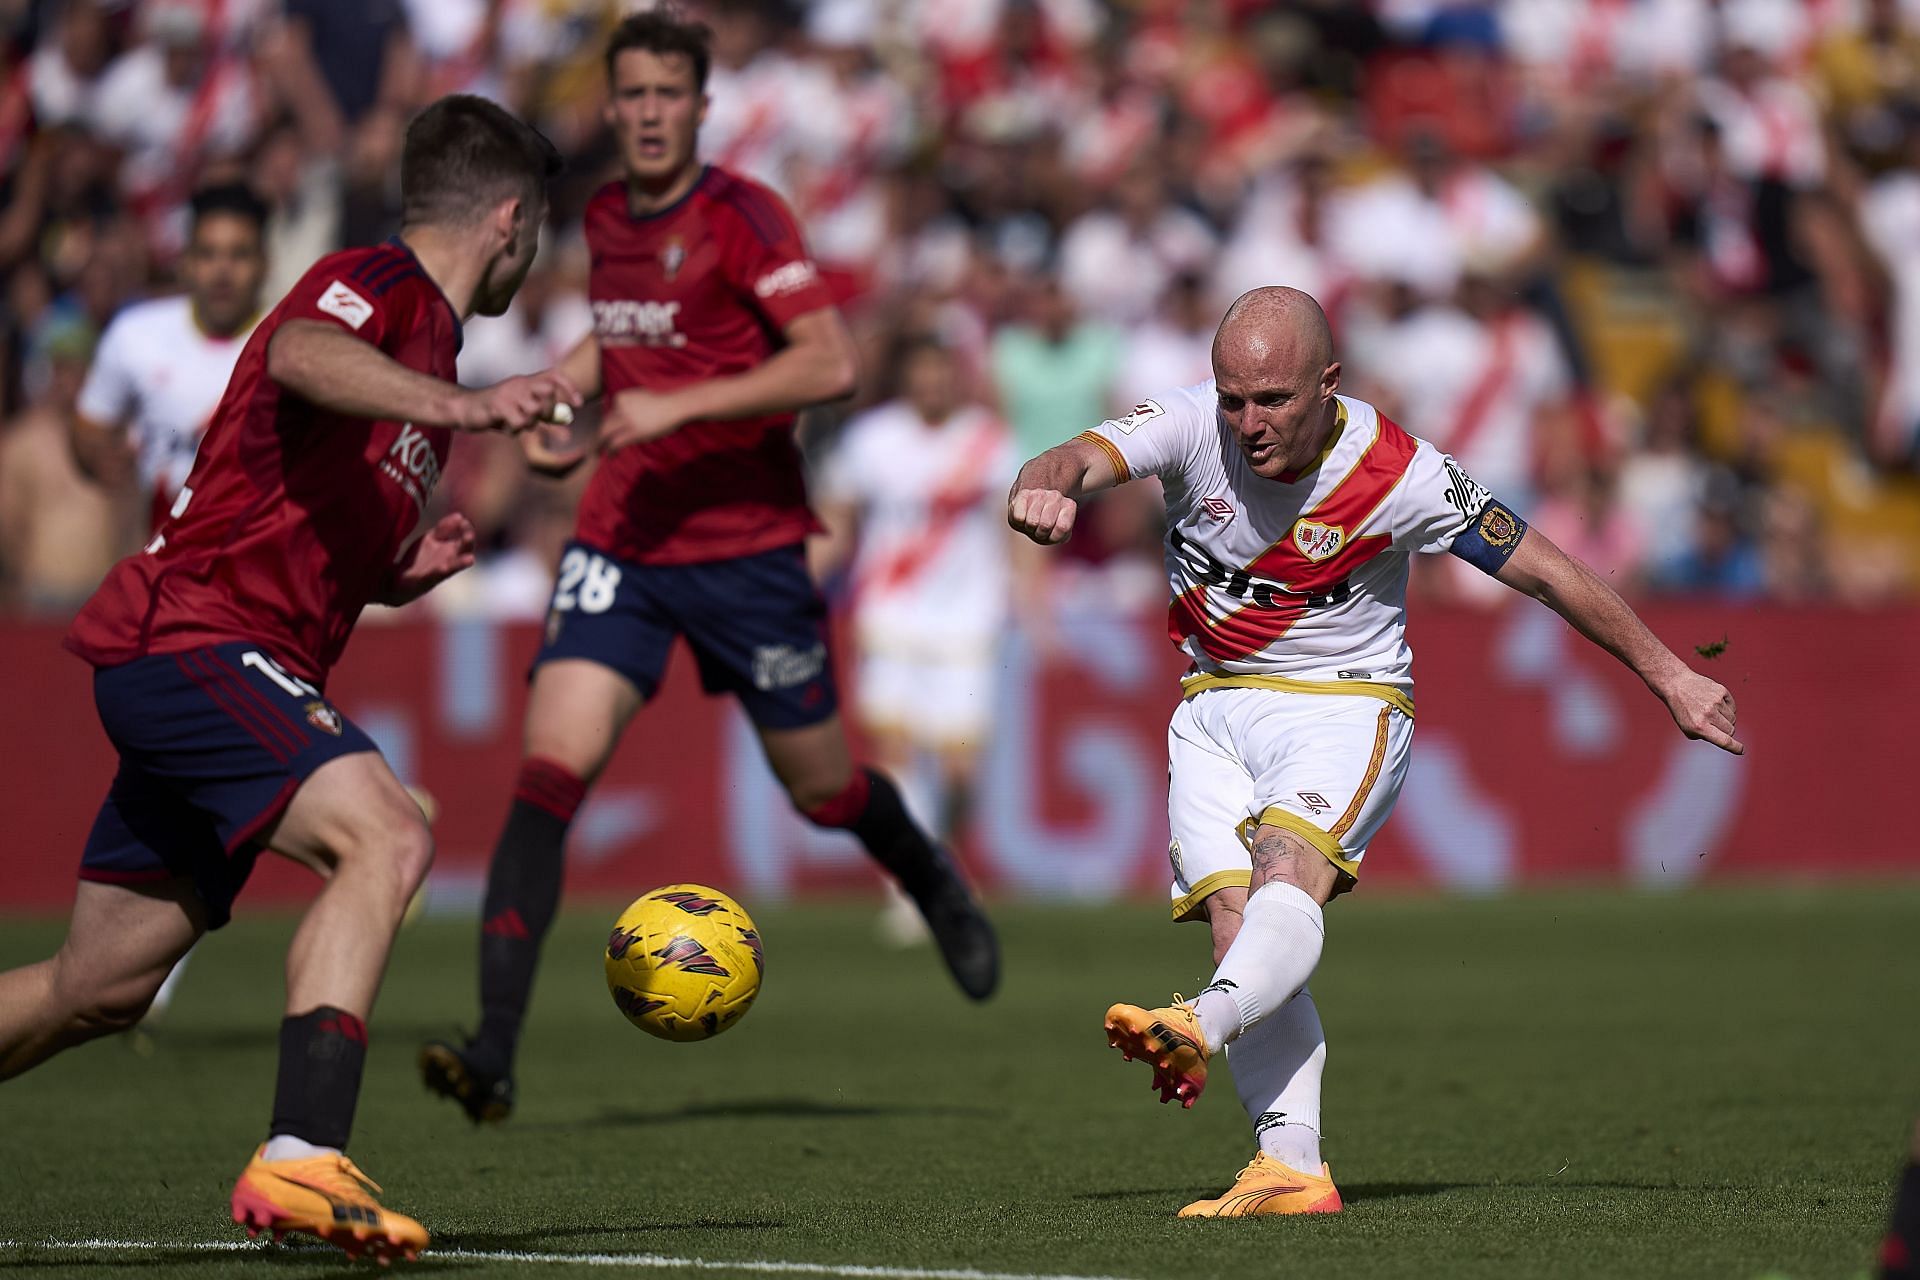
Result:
684,962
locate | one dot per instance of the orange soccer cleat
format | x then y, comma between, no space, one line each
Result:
1268,1187
1169,1038
325,1196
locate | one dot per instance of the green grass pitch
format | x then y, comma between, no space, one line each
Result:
1708,1084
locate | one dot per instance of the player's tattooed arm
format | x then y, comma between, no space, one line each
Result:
1046,494
819,364
1701,707
335,370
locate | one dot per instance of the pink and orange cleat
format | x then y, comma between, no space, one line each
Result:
1268,1187
328,1197
1169,1039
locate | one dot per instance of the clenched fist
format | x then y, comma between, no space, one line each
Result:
1703,709
1045,515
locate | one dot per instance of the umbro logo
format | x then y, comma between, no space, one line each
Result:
1218,509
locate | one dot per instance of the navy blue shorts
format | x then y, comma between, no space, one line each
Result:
213,743
757,626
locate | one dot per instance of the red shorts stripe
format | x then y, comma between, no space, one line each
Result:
103,876
214,683
218,661
268,816
263,732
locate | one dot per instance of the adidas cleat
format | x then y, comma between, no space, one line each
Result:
1169,1039
447,1071
1268,1187
325,1196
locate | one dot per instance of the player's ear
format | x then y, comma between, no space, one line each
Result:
700,116
510,221
1330,381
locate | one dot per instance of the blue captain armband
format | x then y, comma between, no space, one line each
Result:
1489,542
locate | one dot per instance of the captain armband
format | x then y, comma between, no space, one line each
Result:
1489,542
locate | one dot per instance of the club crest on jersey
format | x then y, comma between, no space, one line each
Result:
324,718
1218,510
672,256
1318,541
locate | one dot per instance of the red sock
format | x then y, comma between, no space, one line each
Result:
549,785
847,808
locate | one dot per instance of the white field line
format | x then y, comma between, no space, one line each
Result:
651,1261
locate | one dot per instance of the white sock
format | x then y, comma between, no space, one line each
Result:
164,996
1277,1065
287,1147
1275,952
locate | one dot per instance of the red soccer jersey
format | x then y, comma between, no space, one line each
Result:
292,516
699,290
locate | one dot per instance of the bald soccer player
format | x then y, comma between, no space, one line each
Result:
1292,515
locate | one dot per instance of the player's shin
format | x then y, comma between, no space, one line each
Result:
1277,1067
523,892
1276,951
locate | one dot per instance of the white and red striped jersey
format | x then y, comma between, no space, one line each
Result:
1303,578
158,376
931,576
1475,388
753,121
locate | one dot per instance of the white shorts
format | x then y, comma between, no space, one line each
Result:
1327,767
932,702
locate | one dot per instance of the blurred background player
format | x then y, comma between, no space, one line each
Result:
163,365
711,330
161,369
1292,516
912,496
57,528
211,650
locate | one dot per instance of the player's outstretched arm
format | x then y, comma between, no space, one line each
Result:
818,365
1700,706
338,371
1046,494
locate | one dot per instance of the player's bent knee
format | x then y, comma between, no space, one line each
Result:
395,853
413,858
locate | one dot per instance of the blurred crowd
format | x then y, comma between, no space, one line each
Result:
1649,268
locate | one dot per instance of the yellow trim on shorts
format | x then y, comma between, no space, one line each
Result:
1287,820
1188,907
1352,815
1121,471
1200,681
